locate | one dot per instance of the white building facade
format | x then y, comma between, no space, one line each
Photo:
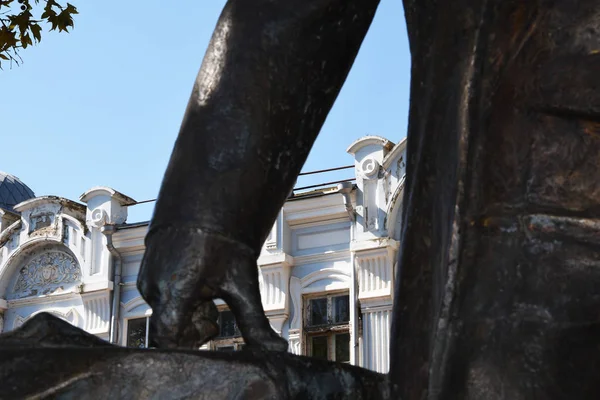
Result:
326,270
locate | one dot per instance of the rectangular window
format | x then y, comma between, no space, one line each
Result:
227,326
230,337
341,309
137,332
320,346
327,327
342,347
318,312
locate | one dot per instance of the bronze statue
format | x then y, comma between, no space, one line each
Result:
270,75
497,290
497,297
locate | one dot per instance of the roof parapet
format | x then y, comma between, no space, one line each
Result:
370,140
38,201
123,200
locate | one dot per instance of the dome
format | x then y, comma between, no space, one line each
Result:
13,191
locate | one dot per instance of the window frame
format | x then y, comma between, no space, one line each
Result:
134,313
126,331
219,342
331,329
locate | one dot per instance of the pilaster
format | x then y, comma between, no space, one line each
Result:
274,279
104,206
295,342
374,268
96,307
369,153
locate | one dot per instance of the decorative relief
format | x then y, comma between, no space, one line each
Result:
374,275
47,273
71,317
43,225
295,346
274,286
271,242
369,167
97,314
98,217
40,221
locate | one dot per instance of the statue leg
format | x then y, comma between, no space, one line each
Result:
270,75
183,313
241,293
182,292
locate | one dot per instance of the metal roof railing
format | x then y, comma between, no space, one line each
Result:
295,189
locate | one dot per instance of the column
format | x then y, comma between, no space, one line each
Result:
274,277
374,262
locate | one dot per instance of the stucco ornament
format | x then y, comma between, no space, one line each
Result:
98,217
369,167
496,295
47,273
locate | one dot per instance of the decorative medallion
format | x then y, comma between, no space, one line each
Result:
99,217
369,167
47,273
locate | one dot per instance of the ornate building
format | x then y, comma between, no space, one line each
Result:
326,270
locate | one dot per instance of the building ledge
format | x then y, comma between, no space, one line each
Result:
375,243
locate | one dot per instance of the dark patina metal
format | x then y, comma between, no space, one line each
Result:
499,286
498,289
269,78
48,358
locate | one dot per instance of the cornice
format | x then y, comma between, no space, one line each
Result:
341,255
52,298
267,260
374,244
130,240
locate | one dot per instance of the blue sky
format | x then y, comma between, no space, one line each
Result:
102,105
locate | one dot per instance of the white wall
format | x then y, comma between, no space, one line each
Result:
315,248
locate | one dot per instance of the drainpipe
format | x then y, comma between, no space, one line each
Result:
354,355
116,266
345,188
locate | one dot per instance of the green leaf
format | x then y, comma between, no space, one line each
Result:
36,30
64,20
71,9
26,40
8,38
21,29
22,20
